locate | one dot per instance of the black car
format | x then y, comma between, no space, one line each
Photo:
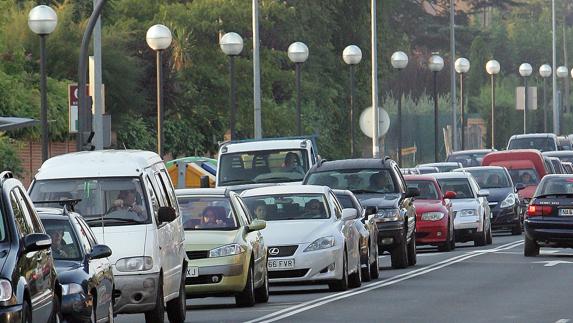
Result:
549,219
469,158
503,199
84,271
379,186
29,289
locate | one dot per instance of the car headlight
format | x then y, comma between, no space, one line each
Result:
321,243
467,213
509,201
5,290
134,264
387,215
227,250
432,216
71,288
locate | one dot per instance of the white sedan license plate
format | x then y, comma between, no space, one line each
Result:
280,264
566,212
193,272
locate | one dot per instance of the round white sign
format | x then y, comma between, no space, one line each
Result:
366,122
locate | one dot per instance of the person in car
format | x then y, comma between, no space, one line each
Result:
494,181
260,210
313,208
59,248
378,183
526,178
425,191
292,163
354,181
126,200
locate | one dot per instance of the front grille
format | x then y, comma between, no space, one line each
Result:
283,251
202,279
192,255
492,204
295,273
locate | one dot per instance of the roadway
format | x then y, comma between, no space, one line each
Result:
495,283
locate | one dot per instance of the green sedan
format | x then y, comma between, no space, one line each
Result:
226,253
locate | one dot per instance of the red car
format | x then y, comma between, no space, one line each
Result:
434,216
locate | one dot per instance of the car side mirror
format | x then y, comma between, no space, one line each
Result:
100,251
348,214
370,210
450,195
37,241
166,214
412,192
483,193
519,187
257,225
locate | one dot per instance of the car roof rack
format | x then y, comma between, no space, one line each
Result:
68,205
6,175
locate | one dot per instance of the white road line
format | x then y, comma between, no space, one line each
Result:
563,321
279,315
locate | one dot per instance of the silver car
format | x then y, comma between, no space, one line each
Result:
470,205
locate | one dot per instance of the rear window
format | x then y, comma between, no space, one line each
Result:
467,160
427,189
490,178
207,213
527,176
556,186
461,186
542,144
356,180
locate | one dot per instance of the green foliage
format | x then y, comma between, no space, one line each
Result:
8,156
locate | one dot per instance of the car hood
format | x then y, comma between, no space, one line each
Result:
465,204
384,201
70,271
124,241
498,194
289,232
428,205
196,240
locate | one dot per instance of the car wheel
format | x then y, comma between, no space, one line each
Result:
453,239
447,245
412,257
26,313
375,267
246,298
355,280
366,275
399,255
341,284
177,308
480,239
489,235
530,248
157,315
517,228
262,293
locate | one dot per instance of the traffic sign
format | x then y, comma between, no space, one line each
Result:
366,122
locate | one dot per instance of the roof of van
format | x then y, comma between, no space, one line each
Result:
265,144
286,189
533,135
102,163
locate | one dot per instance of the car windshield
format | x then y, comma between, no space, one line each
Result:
207,213
467,160
460,186
427,189
542,144
356,180
490,178
64,241
526,176
555,186
115,201
345,201
288,207
277,166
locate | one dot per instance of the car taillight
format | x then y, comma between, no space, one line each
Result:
539,210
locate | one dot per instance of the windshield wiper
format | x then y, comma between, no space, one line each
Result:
278,178
237,182
108,219
366,192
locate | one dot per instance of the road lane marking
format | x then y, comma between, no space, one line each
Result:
552,263
563,321
287,312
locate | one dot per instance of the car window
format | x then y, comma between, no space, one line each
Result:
461,186
364,180
337,207
29,212
289,206
87,232
64,240
427,189
542,144
244,209
490,177
24,228
526,176
555,185
83,237
161,191
207,213
152,195
167,188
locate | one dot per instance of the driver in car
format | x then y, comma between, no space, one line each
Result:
292,163
313,208
126,200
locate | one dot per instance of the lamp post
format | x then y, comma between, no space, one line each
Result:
462,66
232,45
492,67
298,54
352,55
562,72
545,72
525,71
159,38
436,64
399,62
42,20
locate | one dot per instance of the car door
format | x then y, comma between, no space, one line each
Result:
254,238
407,206
349,231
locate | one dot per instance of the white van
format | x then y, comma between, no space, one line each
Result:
128,200
260,162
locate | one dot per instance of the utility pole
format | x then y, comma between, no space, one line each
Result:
374,50
257,72
556,129
453,74
96,86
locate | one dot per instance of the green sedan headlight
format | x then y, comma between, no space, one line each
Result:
227,250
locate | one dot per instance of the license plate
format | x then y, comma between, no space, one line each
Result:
280,264
566,212
193,272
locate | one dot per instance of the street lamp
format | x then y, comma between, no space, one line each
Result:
399,62
492,67
436,64
352,55
562,72
159,38
42,20
545,72
232,45
462,66
525,71
298,54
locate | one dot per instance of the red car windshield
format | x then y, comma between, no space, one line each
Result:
427,189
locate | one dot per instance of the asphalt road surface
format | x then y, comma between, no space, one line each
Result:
495,283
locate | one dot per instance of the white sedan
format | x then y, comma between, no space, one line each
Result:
310,237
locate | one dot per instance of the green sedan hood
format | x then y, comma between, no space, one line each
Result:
196,240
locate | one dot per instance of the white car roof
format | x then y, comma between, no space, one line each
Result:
533,135
451,175
103,163
234,147
287,189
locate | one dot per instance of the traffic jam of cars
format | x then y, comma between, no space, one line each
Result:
106,233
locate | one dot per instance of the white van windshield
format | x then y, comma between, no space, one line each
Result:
118,201
276,166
